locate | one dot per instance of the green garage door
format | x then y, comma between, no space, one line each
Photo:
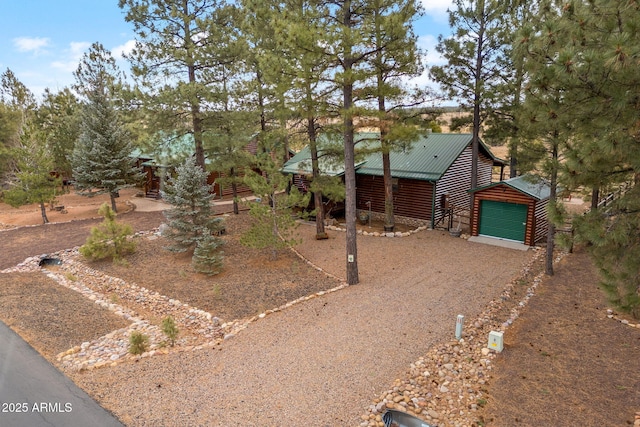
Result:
503,220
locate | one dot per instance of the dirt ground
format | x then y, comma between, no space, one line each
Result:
565,362
76,207
251,280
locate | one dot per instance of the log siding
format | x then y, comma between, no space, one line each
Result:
536,211
541,220
225,191
412,199
457,180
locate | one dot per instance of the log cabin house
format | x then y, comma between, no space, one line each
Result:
431,177
159,164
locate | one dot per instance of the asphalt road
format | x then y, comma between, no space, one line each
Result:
33,393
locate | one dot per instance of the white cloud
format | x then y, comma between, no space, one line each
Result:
428,42
118,52
77,49
70,57
31,44
437,8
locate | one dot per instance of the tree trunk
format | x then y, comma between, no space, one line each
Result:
552,199
595,197
389,219
112,196
234,191
43,212
349,153
513,161
196,121
477,100
315,168
197,128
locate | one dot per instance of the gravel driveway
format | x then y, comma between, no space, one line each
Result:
319,363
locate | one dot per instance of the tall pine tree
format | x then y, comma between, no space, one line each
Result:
396,57
593,52
475,61
101,158
179,43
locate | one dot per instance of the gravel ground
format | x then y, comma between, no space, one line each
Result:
320,363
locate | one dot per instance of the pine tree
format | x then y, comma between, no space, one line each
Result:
500,126
228,151
396,56
305,68
348,44
227,145
32,181
101,158
181,45
191,220
544,118
591,53
475,62
110,239
273,221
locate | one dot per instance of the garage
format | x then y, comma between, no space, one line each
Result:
503,220
515,209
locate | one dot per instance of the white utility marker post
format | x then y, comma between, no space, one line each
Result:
459,324
496,342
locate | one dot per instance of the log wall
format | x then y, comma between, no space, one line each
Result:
412,199
504,193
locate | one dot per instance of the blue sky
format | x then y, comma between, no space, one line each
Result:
42,41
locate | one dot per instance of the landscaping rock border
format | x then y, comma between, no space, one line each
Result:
199,329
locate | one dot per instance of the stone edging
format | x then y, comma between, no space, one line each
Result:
444,387
202,329
383,234
611,315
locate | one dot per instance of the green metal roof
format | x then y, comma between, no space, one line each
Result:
300,164
427,159
530,185
170,150
331,165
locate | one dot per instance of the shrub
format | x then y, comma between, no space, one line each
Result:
170,329
109,239
138,342
207,258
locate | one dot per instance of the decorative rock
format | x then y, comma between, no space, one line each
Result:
460,368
